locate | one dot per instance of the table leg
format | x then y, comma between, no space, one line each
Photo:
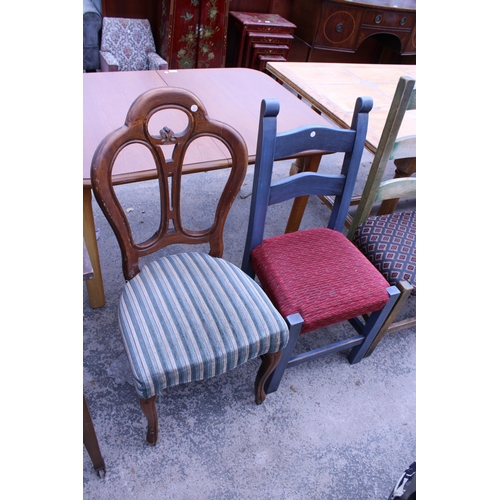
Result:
404,168
90,441
309,164
95,286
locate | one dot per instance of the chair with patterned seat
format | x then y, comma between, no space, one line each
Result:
128,45
183,316
315,277
388,239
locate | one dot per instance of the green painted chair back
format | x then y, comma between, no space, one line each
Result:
390,148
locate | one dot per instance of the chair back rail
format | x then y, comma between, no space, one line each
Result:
404,147
397,188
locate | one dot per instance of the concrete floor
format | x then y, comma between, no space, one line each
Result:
332,431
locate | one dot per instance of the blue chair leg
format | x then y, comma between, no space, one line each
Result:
295,323
373,325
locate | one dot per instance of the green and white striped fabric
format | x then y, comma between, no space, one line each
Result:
190,316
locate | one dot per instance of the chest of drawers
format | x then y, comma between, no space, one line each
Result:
254,38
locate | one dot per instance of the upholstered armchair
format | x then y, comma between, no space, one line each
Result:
128,45
92,24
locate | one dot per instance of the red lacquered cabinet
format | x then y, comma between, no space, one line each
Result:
193,34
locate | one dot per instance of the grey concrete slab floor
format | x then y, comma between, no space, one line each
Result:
332,430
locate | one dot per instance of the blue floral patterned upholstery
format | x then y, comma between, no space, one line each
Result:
191,316
390,243
129,44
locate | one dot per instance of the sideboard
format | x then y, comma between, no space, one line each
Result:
326,29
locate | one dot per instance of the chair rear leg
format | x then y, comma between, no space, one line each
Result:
148,407
295,323
91,443
373,326
269,362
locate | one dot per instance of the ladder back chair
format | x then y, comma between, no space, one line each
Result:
388,238
184,316
315,277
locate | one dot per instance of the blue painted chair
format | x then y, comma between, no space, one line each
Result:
315,277
183,316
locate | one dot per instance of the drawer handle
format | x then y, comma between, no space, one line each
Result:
339,28
403,21
378,19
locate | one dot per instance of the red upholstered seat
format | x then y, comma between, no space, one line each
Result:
291,269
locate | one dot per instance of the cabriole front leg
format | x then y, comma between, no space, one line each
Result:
148,407
268,365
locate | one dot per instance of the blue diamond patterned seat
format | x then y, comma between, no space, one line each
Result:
390,243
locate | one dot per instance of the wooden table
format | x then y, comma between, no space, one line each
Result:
232,95
332,89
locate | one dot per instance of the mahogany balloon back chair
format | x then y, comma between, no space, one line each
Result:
315,277
389,238
183,316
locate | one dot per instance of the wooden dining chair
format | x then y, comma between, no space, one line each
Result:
315,277
388,239
183,316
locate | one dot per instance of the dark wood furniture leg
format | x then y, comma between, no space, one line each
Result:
308,164
269,363
148,407
90,441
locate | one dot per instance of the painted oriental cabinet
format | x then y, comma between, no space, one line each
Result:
193,33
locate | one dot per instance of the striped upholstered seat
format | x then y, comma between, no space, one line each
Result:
190,316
